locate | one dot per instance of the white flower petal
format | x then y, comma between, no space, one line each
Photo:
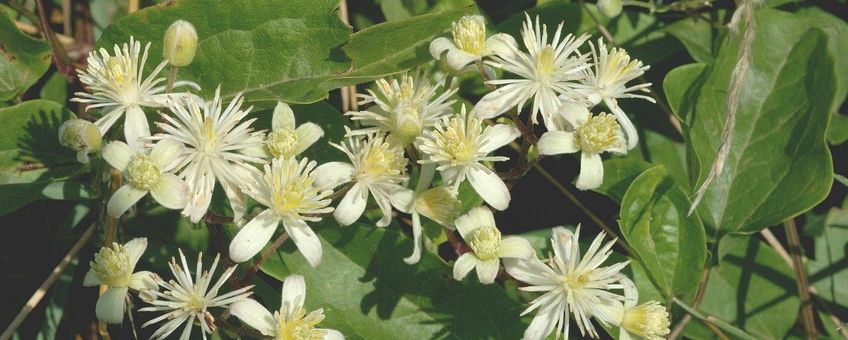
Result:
293,293
111,305
457,59
575,113
541,326
306,241
253,236
332,174
143,280
498,101
629,129
439,46
235,196
557,142
123,199
135,248
531,271
515,247
118,155
253,314
165,153
171,192
136,129
591,171
416,240
489,186
105,123
403,200
464,264
307,134
352,205
283,117
501,44
475,218
331,334
487,271
499,135
91,279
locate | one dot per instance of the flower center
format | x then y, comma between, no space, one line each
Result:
112,266
208,135
459,143
598,133
485,241
545,62
407,124
116,71
301,326
381,159
648,320
469,34
287,198
142,173
282,142
576,280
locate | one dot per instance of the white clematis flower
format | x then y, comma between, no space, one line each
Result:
286,139
403,108
376,166
607,82
187,301
288,189
469,43
438,204
117,86
647,321
291,321
219,146
547,70
113,266
145,171
479,230
459,144
592,135
571,284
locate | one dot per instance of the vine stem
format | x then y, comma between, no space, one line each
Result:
51,279
807,315
699,296
265,256
736,332
348,93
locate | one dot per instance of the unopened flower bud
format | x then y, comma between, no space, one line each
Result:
610,8
180,43
81,136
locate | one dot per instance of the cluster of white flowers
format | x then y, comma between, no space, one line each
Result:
409,127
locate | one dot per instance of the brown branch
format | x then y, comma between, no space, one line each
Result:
264,257
699,296
807,313
60,57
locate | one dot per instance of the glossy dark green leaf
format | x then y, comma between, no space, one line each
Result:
670,245
16,195
779,165
751,288
368,292
619,173
29,143
837,132
837,33
23,59
394,47
699,35
828,271
269,50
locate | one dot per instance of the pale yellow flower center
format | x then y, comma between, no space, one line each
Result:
143,173
301,326
288,198
208,136
460,144
545,63
648,320
407,124
283,142
381,159
469,34
112,266
485,241
576,280
598,133
116,71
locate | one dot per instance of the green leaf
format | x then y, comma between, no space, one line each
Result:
24,59
827,271
660,149
670,245
55,89
17,195
837,132
368,292
681,83
393,47
619,173
401,9
698,35
837,32
29,145
779,165
751,288
269,50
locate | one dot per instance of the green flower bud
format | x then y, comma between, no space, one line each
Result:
81,136
610,8
180,43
